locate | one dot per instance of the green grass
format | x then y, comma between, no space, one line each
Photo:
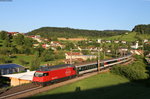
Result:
129,37
27,58
102,86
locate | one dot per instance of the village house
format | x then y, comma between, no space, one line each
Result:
57,44
124,42
99,41
145,40
37,38
46,46
116,41
108,41
35,45
93,48
13,33
76,60
137,52
75,55
136,46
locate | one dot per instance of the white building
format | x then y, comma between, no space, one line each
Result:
136,46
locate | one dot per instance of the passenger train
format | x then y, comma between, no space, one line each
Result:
47,75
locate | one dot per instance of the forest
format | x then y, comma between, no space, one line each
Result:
49,32
142,29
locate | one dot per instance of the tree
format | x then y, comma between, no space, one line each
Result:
35,63
28,42
3,35
142,29
39,50
69,46
47,55
23,62
18,39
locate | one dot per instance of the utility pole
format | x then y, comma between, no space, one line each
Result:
98,61
143,48
71,56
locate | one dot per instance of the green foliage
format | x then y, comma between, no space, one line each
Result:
134,71
35,63
39,50
23,62
52,32
47,55
85,52
18,39
142,29
69,46
60,55
5,59
130,37
5,51
3,35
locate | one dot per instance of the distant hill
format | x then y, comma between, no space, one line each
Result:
49,32
142,29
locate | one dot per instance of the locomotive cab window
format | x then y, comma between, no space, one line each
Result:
39,74
45,74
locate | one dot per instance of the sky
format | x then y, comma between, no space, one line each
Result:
27,15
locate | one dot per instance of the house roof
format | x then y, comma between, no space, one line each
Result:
73,53
9,66
23,76
12,32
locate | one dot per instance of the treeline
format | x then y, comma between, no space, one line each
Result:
142,29
49,32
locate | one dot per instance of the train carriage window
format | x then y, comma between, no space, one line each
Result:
101,64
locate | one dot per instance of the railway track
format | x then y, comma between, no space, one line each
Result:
18,90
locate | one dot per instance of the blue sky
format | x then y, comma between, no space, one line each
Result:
26,15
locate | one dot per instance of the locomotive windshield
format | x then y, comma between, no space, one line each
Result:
39,74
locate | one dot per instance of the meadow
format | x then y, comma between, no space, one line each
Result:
101,86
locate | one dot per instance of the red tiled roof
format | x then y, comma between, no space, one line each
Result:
73,53
12,32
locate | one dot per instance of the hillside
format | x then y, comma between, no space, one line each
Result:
142,29
49,32
131,36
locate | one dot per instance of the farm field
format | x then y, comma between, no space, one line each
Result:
102,86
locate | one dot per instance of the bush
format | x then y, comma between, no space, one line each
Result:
35,63
135,71
23,62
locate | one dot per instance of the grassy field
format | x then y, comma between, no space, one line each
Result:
128,37
102,86
24,57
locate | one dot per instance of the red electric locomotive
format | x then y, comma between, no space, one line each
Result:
50,74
